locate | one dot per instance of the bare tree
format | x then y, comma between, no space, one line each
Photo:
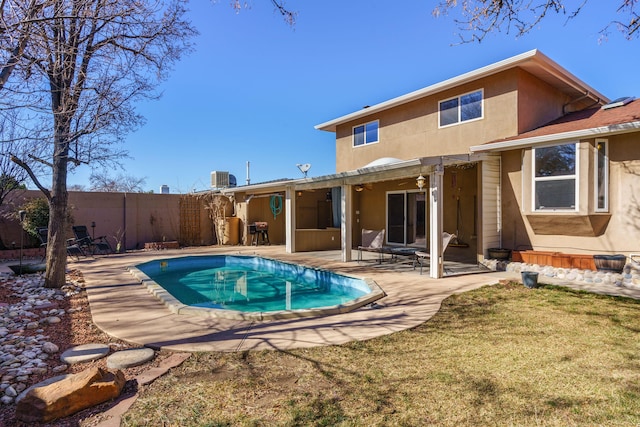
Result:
102,182
12,176
76,187
481,17
16,25
84,66
288,15
218,205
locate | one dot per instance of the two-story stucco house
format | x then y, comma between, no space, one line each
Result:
518,154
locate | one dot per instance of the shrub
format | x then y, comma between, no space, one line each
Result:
37,215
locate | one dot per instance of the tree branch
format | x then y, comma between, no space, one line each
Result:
21,45
38,159
289,16
33,177
481,17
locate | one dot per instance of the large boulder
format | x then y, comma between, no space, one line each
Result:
69,395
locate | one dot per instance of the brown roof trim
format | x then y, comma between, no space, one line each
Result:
591,123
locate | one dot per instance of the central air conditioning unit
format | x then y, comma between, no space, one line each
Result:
219,179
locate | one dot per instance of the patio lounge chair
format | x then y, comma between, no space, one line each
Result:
72,248
93,246
372,241
421,256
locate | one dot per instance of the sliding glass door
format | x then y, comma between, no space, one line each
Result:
406,218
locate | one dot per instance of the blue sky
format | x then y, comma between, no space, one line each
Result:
254,88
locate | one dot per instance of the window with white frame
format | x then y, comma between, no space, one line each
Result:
602,175
555,179
461,108
365,134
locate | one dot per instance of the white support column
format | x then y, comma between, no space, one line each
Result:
290,220
346,223
436,267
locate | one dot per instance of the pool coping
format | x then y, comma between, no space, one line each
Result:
123,308
177,307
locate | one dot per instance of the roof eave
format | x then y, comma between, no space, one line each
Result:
547,63
557,137
264,186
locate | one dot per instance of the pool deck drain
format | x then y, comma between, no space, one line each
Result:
124,309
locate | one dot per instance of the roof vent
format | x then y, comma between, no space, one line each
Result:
619,102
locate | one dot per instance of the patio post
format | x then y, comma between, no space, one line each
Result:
436,267
290,220
346,223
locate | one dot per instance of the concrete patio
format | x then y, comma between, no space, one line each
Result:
124,309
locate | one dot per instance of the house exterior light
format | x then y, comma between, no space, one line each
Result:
421,181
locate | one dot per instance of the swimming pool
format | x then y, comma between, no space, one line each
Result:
252,288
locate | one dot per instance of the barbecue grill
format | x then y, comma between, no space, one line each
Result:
259,232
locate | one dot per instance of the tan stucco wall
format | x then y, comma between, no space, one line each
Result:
461,188
411,130
538,102
147,217
460,185
258,210
622,232
514,102
144,217
313,210
317,240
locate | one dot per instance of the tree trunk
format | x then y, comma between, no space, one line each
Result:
55,275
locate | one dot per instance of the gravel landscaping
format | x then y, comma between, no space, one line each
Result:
36,326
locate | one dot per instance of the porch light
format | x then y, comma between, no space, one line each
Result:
359,188
421,181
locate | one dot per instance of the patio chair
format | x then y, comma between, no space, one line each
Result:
421,256
372,241
84,240
72,249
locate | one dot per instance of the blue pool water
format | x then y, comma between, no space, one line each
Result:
251,284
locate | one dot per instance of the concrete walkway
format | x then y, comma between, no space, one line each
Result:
123,308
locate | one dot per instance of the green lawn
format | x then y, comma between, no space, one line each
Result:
500,355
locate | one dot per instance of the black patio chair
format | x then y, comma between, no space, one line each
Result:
84,240
72,248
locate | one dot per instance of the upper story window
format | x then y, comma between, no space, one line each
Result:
555,177
602,175
365,134
461,108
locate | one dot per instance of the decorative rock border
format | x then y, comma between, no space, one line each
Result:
23,355
629,278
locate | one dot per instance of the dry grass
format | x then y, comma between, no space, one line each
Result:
500,355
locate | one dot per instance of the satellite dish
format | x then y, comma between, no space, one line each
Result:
304,168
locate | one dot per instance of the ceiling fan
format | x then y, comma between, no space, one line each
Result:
367,186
